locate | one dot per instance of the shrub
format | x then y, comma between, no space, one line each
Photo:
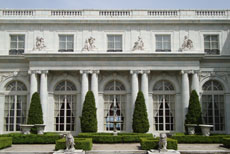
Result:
140,116
199,138
194,111
35,115
109,138
5,142
47,138
89,115
152,143
226,142
80,143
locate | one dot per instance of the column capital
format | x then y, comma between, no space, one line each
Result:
134,71
144,71
32,71
185,72
195,72
44,71
85,71
95,71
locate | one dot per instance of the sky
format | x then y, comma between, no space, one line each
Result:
115,4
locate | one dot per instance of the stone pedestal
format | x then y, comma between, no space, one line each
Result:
163,152
69,152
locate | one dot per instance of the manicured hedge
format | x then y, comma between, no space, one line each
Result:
226,142
109,138
199,138
148,143
80,143
5,142
47,138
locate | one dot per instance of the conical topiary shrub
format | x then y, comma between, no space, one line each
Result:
35,115
194,115
89,115
140,116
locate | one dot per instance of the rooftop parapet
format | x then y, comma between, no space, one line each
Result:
100,14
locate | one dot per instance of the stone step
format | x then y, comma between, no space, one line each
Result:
116,152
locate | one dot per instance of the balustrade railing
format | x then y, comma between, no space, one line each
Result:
179,14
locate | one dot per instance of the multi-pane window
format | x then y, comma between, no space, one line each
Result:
15,105
211,44
164,106
65,106
17,44
114,43
66,43
213,105
114,106
163,43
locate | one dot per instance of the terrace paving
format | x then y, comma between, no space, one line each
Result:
133,146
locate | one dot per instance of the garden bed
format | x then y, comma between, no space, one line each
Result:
5,142
226,142
120,138
181,138
80,143
47,138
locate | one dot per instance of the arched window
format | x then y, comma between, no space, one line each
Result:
114,105
65,106
164,106
213,104
15,105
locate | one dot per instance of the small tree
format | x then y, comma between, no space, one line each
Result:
194,110
89,114
140,116
35,112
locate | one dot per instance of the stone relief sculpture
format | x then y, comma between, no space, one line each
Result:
89,44
139,44
69,142
163,142
188,44
40,44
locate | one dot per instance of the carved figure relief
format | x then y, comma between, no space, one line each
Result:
89,44
139,44
40,44
187,44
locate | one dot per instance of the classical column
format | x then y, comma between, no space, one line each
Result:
184,93
33,83
134,91
94,88
44,94
84,86
145,90
195,82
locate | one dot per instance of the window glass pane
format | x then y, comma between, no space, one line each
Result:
21,45
62,38
214,38
206,45
62,45
158,38
118,45
70,38
70,45
110,38
207,38
158,45
215,45
13,45
13,38
114,42
167,38
21,38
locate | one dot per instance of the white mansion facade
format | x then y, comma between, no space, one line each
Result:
115,53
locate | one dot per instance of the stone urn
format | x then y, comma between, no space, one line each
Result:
25,129
205,129
40,128
191,128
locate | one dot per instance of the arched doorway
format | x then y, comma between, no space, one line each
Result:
114,97
65,106
15,105
213,105
164,106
